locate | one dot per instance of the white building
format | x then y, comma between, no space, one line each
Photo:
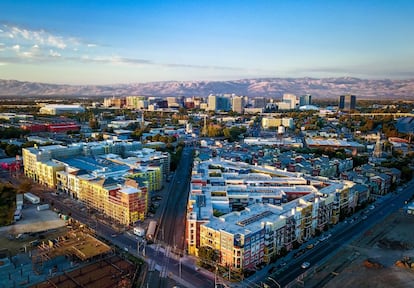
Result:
57,109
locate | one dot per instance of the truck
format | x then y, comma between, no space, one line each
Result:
151,230
17,215
19,201
42,207
31,198
139,231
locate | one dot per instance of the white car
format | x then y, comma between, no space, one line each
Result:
305,265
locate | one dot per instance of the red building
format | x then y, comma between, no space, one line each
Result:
63,127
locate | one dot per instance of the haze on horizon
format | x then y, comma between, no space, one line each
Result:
105,42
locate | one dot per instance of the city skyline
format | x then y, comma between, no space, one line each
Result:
99,42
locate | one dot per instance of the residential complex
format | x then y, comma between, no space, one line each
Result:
113,177
265,210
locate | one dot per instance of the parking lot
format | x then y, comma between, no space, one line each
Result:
34,225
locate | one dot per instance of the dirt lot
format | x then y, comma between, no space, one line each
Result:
370,260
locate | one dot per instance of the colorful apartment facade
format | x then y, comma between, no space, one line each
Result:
88,174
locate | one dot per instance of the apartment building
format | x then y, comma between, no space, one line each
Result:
268,122
264,210
88,174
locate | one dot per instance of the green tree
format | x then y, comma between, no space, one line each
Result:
7,204
207,256
12,150
93,124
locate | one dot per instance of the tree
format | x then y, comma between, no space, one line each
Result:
137,134
25,186
208,256
93,124
12,150
232,134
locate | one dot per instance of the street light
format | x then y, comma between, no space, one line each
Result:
180,267
274,281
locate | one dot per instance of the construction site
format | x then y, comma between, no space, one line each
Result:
76,259
106,273
382,258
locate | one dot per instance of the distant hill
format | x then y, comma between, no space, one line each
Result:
267,87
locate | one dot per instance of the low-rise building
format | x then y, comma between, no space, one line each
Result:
57,109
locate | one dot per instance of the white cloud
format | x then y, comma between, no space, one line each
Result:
54,53
16,47
3,64
35,46
27,54
91,45
41,37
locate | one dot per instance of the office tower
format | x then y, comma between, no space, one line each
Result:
305,100
218,103
289,102
136,102
259,102
211,101
237,104
347,102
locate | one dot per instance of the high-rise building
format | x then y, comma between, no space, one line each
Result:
259,102
305,100
237,104
218,103
291,100
347,102
211,101
136,102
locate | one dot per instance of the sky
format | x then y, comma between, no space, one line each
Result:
111,42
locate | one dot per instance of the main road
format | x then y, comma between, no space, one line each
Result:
171,230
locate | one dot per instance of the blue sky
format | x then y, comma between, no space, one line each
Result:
107,42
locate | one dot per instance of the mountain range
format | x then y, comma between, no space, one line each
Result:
267,87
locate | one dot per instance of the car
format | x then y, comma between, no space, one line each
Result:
283,264
305,265
310,246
